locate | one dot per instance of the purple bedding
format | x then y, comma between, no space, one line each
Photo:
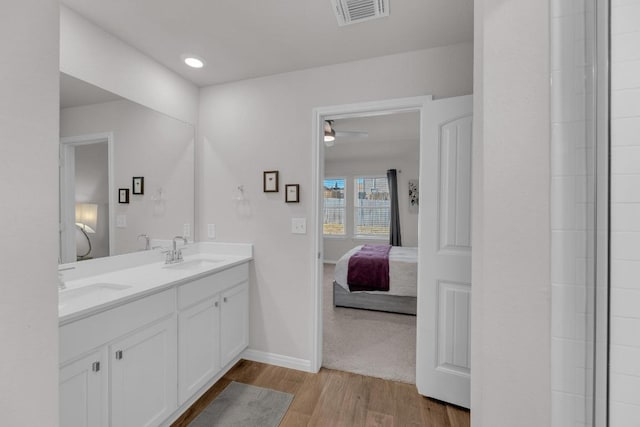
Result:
369,269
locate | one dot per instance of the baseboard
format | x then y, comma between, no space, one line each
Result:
277,360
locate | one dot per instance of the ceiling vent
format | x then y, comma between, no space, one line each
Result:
354,11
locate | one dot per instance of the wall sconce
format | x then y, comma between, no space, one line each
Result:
239,193
159,200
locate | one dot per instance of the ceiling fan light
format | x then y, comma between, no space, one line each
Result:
329,140
329,134
329,137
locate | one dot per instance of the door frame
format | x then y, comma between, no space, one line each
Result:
67,181
319,115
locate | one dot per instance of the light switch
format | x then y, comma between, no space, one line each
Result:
186,230
211,231
299,225
121,221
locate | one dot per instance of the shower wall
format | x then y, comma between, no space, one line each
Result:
572,211
624,372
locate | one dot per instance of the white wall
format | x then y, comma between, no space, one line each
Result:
89,53
510,357
148,144
92,186
335,247
624,371
241,135
572,218
29,186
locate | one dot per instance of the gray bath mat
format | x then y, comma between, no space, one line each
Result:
242,405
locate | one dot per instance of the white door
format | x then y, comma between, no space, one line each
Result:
444,268
144,374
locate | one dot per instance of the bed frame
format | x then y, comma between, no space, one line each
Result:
377,302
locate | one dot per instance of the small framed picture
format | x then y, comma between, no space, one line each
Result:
138,185
270,182
414,196
123,195
292,193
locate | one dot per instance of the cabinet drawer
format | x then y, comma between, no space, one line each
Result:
206,287
86,334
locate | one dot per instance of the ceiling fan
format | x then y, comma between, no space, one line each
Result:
330,134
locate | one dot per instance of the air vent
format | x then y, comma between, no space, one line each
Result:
354,11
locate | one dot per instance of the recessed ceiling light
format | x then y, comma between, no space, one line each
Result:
193,61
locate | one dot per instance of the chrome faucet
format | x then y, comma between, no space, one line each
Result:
175,255
61,285
147,245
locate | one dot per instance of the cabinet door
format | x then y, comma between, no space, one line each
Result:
198,346
234,321
144,376
83,394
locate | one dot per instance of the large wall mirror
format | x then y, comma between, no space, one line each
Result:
105,142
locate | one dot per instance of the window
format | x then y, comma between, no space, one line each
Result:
371,206
334,207
364,212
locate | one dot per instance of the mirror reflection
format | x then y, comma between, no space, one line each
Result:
126,175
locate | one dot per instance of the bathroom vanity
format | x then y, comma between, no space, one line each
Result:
141,341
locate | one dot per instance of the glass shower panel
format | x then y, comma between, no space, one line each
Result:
574,116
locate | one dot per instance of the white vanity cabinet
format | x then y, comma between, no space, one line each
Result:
143,362
134,345
213,325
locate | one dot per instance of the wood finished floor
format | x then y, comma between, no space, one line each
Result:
336,398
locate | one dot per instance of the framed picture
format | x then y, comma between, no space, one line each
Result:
270,182
414,196
123,195
138,185
292,193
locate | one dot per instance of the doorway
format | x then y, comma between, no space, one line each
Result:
444,270
86,194
366,332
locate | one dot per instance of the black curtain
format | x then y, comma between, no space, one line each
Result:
394,234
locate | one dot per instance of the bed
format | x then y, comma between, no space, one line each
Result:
403,284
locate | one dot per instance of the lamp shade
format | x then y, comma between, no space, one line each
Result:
87,216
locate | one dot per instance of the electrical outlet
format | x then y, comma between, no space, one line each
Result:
299,225
211,231
186,230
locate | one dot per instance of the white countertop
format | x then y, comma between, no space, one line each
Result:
117,281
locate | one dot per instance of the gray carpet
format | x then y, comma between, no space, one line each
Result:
243,405
371,343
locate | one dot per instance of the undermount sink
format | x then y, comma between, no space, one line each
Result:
194,264
96,289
